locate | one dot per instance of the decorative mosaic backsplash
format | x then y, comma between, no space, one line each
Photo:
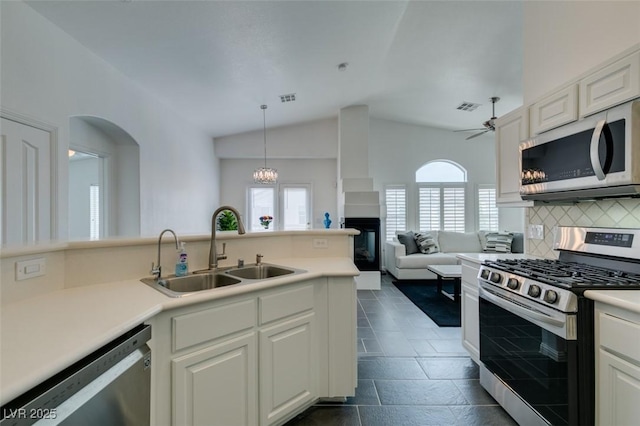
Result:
623,213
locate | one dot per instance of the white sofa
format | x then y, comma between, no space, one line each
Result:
414,266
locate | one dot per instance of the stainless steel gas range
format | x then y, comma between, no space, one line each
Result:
536,326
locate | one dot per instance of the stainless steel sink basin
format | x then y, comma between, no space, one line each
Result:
260,272
181,286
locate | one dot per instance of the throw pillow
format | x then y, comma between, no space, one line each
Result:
409,242
498,242
426,243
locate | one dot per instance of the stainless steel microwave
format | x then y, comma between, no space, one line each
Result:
596,157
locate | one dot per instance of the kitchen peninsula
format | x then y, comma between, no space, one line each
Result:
91,293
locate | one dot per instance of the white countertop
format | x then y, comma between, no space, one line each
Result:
42,335
481,257
625,299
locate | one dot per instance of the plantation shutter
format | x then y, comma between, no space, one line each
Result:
487,209
453,209
396,202
429,208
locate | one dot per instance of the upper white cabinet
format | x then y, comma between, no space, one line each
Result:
555,110
611,85
511,129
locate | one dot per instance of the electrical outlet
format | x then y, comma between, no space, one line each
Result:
536,232
320,243
30,268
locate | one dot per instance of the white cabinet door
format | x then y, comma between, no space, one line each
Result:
26,173
612,85
554,110
217,385
618,390
288,371
470,310
470,321
511,129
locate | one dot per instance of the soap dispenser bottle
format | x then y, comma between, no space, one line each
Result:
182,264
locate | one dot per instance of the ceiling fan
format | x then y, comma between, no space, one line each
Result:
489,125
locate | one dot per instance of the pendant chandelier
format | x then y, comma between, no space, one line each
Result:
265,174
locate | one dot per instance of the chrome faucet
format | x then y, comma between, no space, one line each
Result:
213,253
157,270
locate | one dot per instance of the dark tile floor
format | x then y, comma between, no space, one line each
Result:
410,372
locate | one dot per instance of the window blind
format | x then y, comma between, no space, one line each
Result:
396,205
441,207
487,209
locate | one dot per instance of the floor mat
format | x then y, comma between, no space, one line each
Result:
424,294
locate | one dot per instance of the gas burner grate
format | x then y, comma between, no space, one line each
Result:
567,274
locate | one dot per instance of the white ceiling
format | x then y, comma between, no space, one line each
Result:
217,62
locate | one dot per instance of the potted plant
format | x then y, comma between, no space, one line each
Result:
227,221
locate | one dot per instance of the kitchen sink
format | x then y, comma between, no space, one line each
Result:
260,272
181,286
208,279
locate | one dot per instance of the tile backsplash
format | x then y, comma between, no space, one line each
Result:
622,213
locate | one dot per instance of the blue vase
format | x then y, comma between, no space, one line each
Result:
327,221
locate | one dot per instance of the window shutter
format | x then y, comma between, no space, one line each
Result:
396,202
429,208
453,209
487,209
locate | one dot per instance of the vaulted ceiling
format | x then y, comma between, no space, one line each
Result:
217,62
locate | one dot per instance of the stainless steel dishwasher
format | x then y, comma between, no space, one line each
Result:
112,386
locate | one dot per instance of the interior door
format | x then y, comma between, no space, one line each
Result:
25,170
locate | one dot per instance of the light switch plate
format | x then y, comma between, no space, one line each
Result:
30,268
536,232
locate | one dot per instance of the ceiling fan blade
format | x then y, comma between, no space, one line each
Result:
477,134
469,130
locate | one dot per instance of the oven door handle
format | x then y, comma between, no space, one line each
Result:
519,310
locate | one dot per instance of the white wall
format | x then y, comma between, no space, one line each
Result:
397,150
316,139
51,77
563,39
321,174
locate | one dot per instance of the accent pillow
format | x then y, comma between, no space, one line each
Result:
498,242
427,243
409,242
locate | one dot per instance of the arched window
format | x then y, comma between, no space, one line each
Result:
441,171
441,196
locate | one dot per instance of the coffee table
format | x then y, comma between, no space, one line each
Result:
448,271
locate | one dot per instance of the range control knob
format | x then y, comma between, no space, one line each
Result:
513,284
534,291
550,296
495,277
484,274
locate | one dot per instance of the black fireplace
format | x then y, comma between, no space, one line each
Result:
366,246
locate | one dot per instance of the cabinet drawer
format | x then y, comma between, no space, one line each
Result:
620,336
285,303
470,274
202,326
612,85
554,111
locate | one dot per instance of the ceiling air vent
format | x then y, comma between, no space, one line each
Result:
288,98
467,106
